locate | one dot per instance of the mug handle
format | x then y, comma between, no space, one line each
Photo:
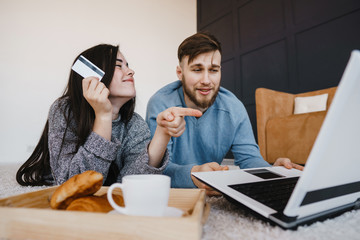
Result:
111,200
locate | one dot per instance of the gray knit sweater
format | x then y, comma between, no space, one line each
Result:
128,148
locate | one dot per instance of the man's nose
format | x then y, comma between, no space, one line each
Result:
205,78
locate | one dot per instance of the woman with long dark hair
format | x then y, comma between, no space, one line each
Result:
93,126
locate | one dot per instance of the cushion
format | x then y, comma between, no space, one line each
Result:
310,104
292,136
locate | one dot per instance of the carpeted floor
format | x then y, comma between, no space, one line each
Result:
227,221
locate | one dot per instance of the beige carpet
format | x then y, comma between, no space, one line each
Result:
227,221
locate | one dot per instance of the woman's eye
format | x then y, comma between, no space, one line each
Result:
118,66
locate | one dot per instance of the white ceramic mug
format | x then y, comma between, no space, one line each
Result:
144,195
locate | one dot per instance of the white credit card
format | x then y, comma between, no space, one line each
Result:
85,68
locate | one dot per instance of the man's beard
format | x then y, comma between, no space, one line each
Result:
192,96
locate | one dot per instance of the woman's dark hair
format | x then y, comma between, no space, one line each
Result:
33,171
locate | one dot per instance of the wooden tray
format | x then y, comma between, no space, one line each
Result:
29,216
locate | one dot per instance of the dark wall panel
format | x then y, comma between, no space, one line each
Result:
228,79
310,10
250,108
260,19
223,29
286,45
268,66
209,10
322,52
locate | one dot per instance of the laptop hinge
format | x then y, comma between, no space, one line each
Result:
357,204
286,222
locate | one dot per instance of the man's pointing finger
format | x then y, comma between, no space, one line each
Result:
186,112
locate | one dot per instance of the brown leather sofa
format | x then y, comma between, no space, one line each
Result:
281,133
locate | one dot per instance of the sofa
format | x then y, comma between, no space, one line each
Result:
288,124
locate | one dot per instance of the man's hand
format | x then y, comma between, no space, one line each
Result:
207,167
287,164
172,121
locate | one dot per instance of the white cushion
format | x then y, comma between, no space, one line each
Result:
310,104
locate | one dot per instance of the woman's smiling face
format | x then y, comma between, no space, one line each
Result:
122,84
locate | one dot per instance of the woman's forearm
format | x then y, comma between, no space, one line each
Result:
157,147
102,126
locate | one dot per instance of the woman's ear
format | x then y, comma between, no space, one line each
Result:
179,73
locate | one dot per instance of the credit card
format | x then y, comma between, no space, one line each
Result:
85,68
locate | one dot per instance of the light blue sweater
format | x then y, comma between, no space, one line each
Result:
224,126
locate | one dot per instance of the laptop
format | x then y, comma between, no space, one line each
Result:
330,182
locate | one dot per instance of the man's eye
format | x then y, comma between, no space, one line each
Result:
197,69
214,70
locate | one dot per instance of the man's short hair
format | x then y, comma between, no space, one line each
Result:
201,42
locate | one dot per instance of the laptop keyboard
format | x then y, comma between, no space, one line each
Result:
273,193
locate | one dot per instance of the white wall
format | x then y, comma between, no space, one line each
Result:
39,39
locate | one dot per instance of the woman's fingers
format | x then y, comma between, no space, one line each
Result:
96,94
93,89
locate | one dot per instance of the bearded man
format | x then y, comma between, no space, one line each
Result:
224,124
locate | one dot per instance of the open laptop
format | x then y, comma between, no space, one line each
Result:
330,182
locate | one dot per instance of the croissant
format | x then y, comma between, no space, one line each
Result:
84,184
94,203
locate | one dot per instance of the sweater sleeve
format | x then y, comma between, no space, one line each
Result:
96,153
180,174
244,148
134,152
